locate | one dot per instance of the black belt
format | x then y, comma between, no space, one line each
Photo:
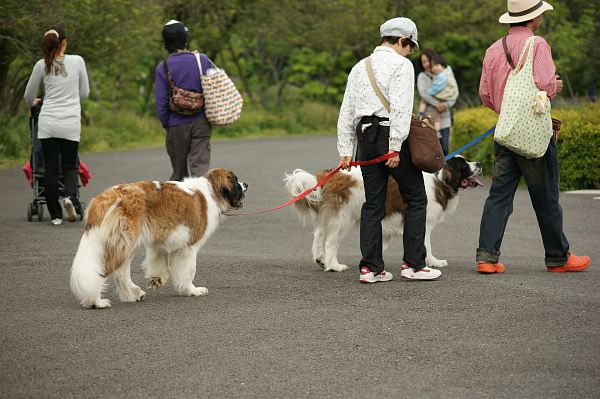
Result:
376,129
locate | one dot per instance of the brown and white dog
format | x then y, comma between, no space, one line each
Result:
172,219
335,207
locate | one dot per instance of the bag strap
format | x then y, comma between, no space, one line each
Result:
507,54
166,68
197,55
525,52
376,88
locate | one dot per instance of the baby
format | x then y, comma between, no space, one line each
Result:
444,87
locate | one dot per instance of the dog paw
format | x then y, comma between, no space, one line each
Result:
199,291
154,283
320,263
433,262
139,294
336,268
101,304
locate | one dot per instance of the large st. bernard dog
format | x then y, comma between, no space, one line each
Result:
335,207
172,219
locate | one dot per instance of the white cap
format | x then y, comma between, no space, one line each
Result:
400,27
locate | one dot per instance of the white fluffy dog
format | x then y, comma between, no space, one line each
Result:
335,207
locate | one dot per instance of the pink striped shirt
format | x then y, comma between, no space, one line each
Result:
496,69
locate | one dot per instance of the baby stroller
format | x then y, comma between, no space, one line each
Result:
36,173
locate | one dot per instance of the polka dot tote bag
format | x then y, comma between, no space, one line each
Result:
222,100
521,127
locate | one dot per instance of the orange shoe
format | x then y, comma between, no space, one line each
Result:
487,268
574,264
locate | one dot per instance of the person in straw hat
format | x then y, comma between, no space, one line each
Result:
541,174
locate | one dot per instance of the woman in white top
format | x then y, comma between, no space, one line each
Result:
65,84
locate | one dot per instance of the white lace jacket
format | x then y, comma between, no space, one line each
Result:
395,77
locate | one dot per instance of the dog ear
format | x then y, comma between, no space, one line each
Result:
452,173
232,190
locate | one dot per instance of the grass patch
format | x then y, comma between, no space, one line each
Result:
106,129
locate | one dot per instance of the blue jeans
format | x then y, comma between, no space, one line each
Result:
445,140
541,176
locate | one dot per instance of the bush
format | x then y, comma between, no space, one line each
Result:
578,148
305,118
15,140
108,127
117,129
578,142
468,124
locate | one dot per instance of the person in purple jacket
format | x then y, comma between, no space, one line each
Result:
188,136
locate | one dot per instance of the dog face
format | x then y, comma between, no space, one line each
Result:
458,173
230,192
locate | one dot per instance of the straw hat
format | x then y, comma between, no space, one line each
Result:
523,10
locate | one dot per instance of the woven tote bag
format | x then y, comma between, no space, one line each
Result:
519,127
222,101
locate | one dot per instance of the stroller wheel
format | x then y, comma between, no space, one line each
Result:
30,212
40,212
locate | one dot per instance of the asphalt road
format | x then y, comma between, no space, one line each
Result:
274,325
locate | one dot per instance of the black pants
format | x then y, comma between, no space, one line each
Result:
59,154
372,143
190,142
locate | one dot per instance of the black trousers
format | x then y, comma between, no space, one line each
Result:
59,154
374,142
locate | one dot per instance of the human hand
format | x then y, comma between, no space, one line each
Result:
394,161
345,162
36,102
441,107
558,83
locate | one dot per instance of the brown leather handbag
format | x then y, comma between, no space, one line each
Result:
182,101
423,142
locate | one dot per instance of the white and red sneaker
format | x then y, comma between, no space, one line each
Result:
367,276
424,274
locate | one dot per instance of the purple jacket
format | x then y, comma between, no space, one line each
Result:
185,74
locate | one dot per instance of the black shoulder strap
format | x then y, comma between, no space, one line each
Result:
507,54
168,75
166,67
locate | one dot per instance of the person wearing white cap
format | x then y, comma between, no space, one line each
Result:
187,134
365,122
541,174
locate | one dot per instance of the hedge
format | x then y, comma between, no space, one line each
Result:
578,143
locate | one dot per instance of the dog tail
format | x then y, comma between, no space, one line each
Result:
296,183
88,279
109,238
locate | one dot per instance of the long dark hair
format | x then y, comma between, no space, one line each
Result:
429,53
51,44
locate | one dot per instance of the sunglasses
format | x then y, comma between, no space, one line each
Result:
412,46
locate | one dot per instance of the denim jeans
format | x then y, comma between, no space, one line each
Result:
412,188
445,140
541,176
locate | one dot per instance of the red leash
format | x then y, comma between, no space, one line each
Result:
319,184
